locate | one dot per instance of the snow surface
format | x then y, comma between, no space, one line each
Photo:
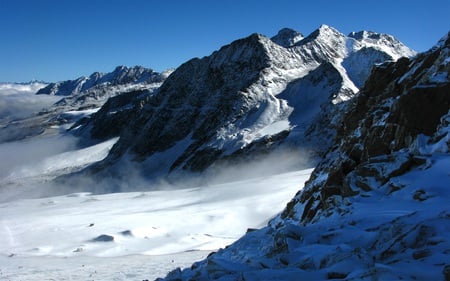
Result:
62,229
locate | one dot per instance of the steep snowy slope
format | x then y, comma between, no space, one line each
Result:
376,208
247,96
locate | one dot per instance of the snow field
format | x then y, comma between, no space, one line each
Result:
180,223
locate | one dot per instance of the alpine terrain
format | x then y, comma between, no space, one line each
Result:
251,97
152,171
376,207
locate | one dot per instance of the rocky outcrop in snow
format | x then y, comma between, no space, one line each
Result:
376,207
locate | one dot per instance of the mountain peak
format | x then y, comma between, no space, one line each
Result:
373,37
287,37
387,160
383,41
364,34
328,30
324,33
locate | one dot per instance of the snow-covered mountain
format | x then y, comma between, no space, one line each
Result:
248,97
376,207
120,76
287,37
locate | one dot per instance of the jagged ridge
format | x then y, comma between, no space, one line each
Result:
214,107
119,76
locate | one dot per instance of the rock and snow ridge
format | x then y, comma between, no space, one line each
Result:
287,37
376,207
121,75
250,93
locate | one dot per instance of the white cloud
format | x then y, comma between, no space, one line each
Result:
19,101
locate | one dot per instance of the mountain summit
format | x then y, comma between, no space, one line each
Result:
287,37
251,95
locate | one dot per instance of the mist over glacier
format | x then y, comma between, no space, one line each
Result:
19,101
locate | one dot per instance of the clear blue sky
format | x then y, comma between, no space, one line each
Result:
55,40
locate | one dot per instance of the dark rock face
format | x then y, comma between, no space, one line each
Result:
287,37
195,101
114,115
399,101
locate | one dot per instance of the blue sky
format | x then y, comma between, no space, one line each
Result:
55,40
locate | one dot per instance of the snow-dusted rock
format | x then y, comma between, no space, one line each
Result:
121,75
287,37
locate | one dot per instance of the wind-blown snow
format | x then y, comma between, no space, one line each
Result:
155,223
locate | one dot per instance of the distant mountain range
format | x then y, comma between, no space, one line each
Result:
122,75
81,97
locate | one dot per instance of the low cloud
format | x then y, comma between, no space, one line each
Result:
20,101
27,158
